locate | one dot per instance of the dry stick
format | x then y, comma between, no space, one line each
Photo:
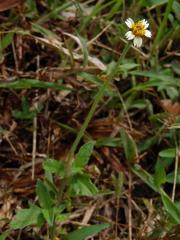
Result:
99,34
175,170
118,192
34,143
92,41
129,206
19,234
11,145
34,148
117,215
15,56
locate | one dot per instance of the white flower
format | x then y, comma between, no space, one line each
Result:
138,31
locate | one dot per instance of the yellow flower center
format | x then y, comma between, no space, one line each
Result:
138,29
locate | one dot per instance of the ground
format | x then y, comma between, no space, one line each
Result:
69,78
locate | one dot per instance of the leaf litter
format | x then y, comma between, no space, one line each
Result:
54,55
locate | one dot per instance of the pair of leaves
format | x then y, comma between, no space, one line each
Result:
26,217
81,159
35,215
81,183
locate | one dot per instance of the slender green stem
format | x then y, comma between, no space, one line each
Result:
68,167
97,99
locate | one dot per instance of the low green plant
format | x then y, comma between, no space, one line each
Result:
52,209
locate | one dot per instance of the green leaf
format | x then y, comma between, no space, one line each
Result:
147,143
84,232
109,141
157,233
31,9
160,174
118,182
175,63
168,153
31,83
62,217
49,215
82,157
161,80
176,9
6,40
128,66
44,31
82,186
114,9
144,176
139,104
154,3
91,78
54,166
23,115
26,113
4,235
56,10
26,217
129,145
173,93
171,207
49,182
84,48
170,177
45,199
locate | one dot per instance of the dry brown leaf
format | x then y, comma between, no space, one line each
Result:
59,45
6,211
8,4
171,107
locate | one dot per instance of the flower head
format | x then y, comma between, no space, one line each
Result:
138,31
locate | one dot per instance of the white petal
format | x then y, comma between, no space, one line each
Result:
148,33
129,22
137,42
129,35
145,23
